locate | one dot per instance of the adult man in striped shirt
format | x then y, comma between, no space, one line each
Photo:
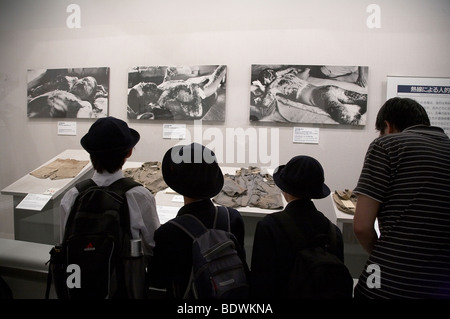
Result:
405,184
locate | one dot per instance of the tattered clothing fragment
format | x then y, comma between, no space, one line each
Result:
250,187
60,168
148,174
345,201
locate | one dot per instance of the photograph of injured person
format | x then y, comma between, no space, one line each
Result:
309,94
68,93
177,93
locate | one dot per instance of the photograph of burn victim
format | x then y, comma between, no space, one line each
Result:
68,93
325,94
177,93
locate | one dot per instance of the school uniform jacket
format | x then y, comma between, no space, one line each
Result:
172,260
273,254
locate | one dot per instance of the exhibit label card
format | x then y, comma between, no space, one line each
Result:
178,199
306,135
166,213
174,131
67,128
51,191
34,202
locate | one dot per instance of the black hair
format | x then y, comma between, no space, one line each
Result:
110,162
401,113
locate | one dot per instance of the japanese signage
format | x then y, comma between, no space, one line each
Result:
432,93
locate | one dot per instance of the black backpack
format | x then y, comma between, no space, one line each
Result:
97,239
219,270
317,272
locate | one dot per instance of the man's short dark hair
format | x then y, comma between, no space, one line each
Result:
401,113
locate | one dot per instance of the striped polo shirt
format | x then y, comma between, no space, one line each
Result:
409,174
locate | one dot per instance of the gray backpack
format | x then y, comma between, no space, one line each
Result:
219,270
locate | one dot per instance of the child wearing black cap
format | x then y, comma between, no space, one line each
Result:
300,180
192,171
110,143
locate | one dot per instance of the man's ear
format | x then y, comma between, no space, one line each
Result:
390,128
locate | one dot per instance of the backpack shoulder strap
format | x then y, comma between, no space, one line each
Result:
194,226
122,185
223,221
190,224
81,187
222,218
84,185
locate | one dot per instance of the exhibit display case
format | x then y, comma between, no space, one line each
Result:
41,224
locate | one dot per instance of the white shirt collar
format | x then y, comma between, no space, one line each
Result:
105,178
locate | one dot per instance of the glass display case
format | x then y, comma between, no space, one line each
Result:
42,226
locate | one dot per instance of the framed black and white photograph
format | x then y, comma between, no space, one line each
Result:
177,92
325,94
68,93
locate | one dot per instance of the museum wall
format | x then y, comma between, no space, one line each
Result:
407,38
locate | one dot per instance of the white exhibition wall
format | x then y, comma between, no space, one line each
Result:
401,38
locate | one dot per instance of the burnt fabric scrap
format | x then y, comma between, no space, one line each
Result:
249,187
60,169
345,201
148,174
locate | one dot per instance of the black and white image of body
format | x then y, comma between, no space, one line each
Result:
177,93
68,93
309,94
